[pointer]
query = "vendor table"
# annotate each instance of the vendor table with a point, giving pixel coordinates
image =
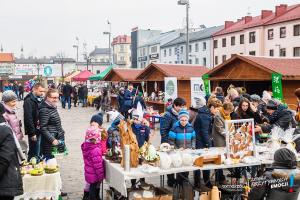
(116, 177)
(39, 187)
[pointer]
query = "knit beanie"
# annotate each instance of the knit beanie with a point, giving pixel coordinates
(199, 102)
(272, 105)
(98, 118)
(8, 96)
(183, 113)
(255, 97)
(284, 159)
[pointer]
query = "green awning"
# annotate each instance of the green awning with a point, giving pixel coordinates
(100, 76)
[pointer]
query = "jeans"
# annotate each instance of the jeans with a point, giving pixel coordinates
(66, 100)
(34, 147)
(83, 101)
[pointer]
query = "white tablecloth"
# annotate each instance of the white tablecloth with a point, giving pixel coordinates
(38, 187)
(116, 177)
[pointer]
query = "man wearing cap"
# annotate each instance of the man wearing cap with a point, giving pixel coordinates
(277, 117)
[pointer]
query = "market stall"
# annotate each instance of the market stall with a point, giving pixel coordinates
(82, 76)
(69, 77)
(154, 77)
(117, 78)
(257, 74)
(100, 76)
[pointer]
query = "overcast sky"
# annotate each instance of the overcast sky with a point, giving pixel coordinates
(47, 27)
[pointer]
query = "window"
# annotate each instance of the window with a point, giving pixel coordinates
(122, 58)
(141, 52)
(170, 52)
(204, 46)
(282, 52)
(190, 48)
(102, 60)
(297, 30)
(224, 42)
(165, 52)
(252, 53)
(242, 39)
(282, 32)
(204, 61)
(216, 60)
(215, 44)
(144, 51)
(154, 49)
(181, 62)
(271, 52)
(270, 34)
(98, 72)
(223, 58)
(252, 37)
(170, 62)
(197, 61)
(296, 51)
(176, 62)
(181, 49)
(122, 48)
(232, 41)
(190, 61)
(196, 47)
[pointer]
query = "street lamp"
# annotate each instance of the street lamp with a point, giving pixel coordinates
(187, 4)
(76, 46)
(109, 35)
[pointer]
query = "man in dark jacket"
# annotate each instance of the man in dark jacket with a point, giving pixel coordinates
(66, 94)
(166, 124)
(31, 119)
(278, 116)
(121, 100)
(21, 92)
(128, 100)
(10, 176)
(203, 128)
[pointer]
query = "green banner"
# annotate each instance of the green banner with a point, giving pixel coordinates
(206, 83)
(277, 86)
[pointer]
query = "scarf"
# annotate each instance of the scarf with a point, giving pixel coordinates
(224, 116)
(174, 112)
(50, 104)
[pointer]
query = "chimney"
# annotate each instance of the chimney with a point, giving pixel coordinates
(280, 10)
(248, 19)
(228, 24)
(266, 13)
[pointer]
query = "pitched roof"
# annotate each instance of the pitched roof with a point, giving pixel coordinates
(194, 36)
(181, 71)
(289, 68)
(292, 13)
(162, 38)
(6, 57)
(82, 76)
(98, 51)
(125, 74)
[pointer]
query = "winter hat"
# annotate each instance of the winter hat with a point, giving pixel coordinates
(255, 97)
(92, 133)
(266, 96)
(199, 102)
(284, 159)
(98, 118)
(115, 115)
(8, 96)
(272, 105)
(183, 113)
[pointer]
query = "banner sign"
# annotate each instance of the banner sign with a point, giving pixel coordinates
(277, 86)
(197, 90)
(170, 88)
(206, 83)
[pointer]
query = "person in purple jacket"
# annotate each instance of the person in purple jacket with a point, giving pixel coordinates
(93, 162)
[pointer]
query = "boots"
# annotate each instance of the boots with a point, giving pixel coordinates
(85, 196)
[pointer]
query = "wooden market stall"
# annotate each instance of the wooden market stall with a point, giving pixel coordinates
(154, 75)
(122, 77)
(255, 74)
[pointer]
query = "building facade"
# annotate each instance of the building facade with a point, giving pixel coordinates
(7, 62)
(149, 51)
(273, 33)
(138, 38)
(121, 46)
(100, 55)
(200, 48)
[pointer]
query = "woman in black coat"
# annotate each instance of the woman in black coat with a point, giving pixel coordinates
(10, 176)
(50, 125)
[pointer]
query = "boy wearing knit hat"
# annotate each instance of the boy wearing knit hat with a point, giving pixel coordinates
(182, 135)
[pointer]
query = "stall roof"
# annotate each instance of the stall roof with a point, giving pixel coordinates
(289, 68)
(71, 75)
(181, 71)
(100, 76)
(122, 74)
(82, 76)
(6, 57)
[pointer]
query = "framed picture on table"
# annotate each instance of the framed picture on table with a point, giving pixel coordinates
(240, 139)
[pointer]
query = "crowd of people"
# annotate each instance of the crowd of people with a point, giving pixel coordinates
(42, 124)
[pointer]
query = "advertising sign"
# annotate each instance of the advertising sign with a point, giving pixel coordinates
(170, 88)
